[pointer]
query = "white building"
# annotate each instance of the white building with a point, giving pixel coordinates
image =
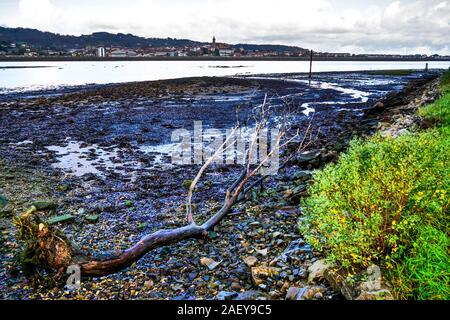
(226, 52)
(101, 52)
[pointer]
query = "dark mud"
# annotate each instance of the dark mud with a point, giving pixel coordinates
(102, 150)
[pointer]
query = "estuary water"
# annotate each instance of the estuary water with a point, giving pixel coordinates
(30, 76)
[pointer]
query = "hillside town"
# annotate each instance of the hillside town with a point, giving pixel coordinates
(212, 49)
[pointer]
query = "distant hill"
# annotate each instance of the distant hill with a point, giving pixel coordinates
(42, 39)
(269, 47)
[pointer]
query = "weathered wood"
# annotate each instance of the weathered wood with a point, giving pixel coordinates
(99, 268)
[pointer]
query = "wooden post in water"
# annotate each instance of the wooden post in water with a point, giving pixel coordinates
(310, 66)
(426, 67)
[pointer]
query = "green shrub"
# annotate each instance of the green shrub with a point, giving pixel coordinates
(386, 202)
(368, 207)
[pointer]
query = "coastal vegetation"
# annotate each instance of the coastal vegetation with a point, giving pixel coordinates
(386, 202)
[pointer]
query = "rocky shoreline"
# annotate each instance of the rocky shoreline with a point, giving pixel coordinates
(256, 253)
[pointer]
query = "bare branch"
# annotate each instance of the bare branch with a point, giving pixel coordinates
(220, 150)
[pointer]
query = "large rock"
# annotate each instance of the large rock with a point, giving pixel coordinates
(317, 271)
(368, 285)
(374, 287)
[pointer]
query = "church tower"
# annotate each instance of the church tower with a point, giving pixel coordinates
(214, 41)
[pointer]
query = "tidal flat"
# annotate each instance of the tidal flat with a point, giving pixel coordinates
(103, 151)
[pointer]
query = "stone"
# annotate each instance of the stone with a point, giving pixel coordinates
(236, 286)
(373, 287)
(310, 292)
(210, 263)
(93, 218)
(225, 295)
(262, 252)
(285, 287)
(275, 294)
(383, 294)
(317, 271)
(241, 273)
(307, 157)
(44, 205)
(260, 274)
(302, 274)
(149, 284)
(250, 261)
(276, 235)
(250, 295)
(61, 219)
(303, 175)
(306, 293)
(262, 286)
(288, 211)
(318, 296)
(294, 250)
(192, 276)
(292, 293)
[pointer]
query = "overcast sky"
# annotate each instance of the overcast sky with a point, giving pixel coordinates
(405, 26)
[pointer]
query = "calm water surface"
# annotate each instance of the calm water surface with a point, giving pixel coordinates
(80, 72)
